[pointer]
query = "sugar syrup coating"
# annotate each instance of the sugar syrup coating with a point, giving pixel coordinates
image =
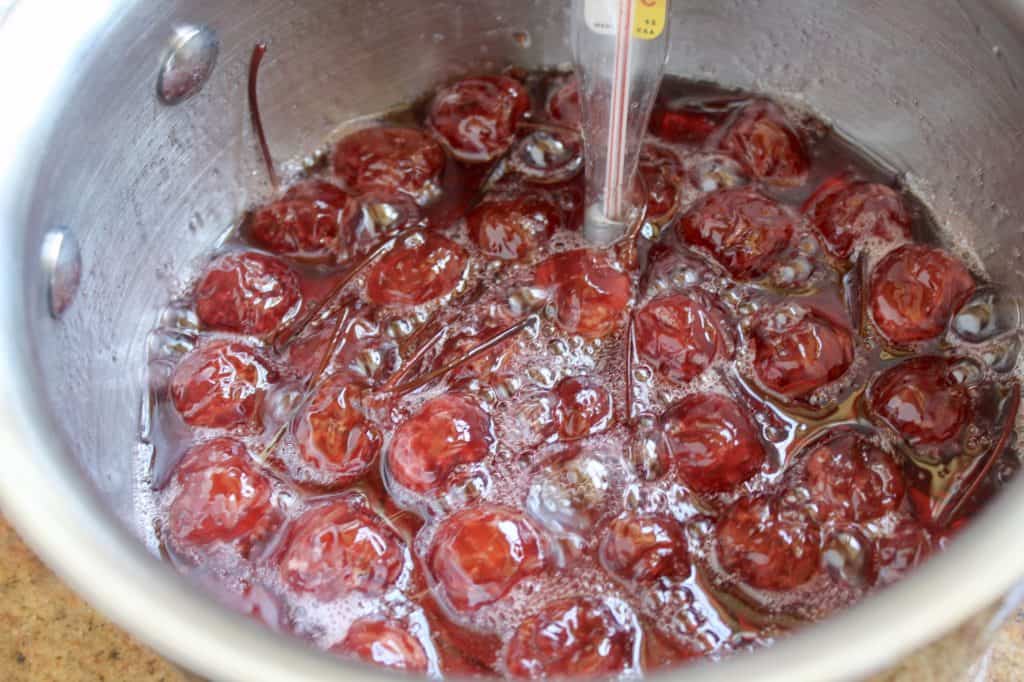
(247, 293)
(584, 407)
(390, 160)
(476, 117)
(898, 551)
(513, 228)
(589, 292)
(662, 173)
(921, 400)
(384, 642)
(420, 268)
(314, 220)
(681, 335)
(641, 548)
(762, 138)
(846, 211)
(221, 384)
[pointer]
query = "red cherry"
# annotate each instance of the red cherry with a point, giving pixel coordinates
(313, 219)
(221, 384)
(798, 350)
(767, 545)
(419, 269)
(476, 117)
(222, 498)
(547, 156)
(385, 643)
(682, 126)
(921, 400)
(680, 336)
(741, 228)
(247, 293)
(588, 292)
(580, 637)
(712, 442)
(564, 103)
(446, 432)
(898, 551)
(512, 229)
(480, 553)
(851, 479)
(341, 546)
(847, 211)
(662, 171)
(390, 160)
(642, 548)
(762, 138)
(584, 407)
(915, 290)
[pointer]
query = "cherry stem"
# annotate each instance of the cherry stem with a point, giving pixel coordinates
(630, 351)
(258, 51)
(411, 363)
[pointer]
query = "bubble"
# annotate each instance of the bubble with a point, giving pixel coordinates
(987, 315)
(568, 498)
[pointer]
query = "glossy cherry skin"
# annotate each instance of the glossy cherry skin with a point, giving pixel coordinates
(741, 228)
(915, 290)
(589, 294)
(578, 637)
(446, 432)
(419, 269)
(679, 336)
(480, 553)
(799, 350)
(898, 551)
(685, 126)
(761, 137)
(921, 400)
(338, 547)
(847, 211)
(584, 407)
(512, 229)
(662, 172)
(385, 643)
(313, 219)
(711, 442)
(564, 103)
(221, 384)
(476, 117)
(641, 548)
(767, 545)
(247, 293)
(390, 160)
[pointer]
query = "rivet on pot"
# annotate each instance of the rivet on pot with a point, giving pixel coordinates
(188, 63)
(62, 267)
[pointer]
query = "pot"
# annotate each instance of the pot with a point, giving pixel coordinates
(112, 186)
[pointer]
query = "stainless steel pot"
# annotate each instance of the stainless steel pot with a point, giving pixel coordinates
(90, 155)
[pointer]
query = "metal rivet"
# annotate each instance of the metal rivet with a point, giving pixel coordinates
(189, 61)
(62, 267)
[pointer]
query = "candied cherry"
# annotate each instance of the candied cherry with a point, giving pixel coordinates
(580, 637)
(662, 172)
(390, 160)
(641, 548)
(313, 219)
(584, 407)
(847, 211)
(512, 229)
(476, 117)
(420, 268)
(797, 350)
(679, 336)
(712, 442)
(480, 553)
(921, 399)
(383, 642)
(899, 550)
(915, 290)
(766, 544)
(589, 294)
(446, 432)
(564, 103)
(682, 124)
(851, 479)
(221, 384)
(247, 293)
(339, 547)
(762, 138)
(741, 228)
(222, 498)
(547, 156)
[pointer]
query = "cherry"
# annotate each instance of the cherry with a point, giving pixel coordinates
(383, 642)
(762, 138)
(662, 171)
(847, 211)
(921, 400)
(390, 160)
(421, 268)
(578, 637)
(741, 228)
(446, 432)
(480, 553)
(335, 439)
(341, 546)
(798, 350)
(221, 384)
(915, 290)
(512, 229)
(564, 103)
(247, 293)
(711, 441)
(313, 220)
(766, 544)
(222, 498)
(641, 548)
(851, 479)
(589, 293)
(584, 407)
(679, 336)
(476, 117)
(896, 552)
(682, 125)
(547, 156)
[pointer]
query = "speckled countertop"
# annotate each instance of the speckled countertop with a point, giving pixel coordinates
(48, 633)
